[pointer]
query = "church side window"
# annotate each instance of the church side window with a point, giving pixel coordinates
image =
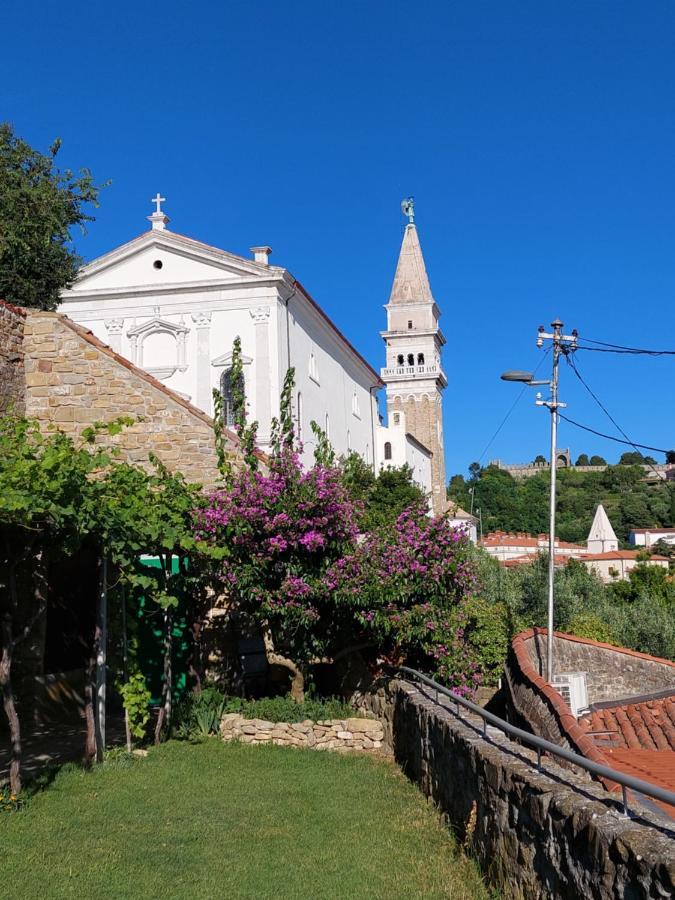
(327, 428)
(313, 368)
(387, 450)
(356, 409)
(227, 390)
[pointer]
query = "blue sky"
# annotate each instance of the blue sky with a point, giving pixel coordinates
(538, 139)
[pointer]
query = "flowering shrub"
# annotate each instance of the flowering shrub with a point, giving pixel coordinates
(292, 566)
(282, 531)
(409, 588)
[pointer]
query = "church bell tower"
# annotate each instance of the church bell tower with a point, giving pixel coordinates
(413, 374)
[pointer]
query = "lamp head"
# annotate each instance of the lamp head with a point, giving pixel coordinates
(517, 375)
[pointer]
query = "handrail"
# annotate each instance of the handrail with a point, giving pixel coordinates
(626, 781)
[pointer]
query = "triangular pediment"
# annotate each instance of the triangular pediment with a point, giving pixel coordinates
(163, 258)
(225, 360)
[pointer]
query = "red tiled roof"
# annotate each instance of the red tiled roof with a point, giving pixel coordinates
(638, 729)
(647, 725)
(622, 554)
(523, 539)
(655, 766)
(653, 530)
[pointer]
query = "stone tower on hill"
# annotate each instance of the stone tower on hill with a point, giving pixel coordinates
(413, 374)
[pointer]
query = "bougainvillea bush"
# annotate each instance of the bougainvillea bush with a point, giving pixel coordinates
(283, 531)
(408, 588)
(295, 566)
(298, 569)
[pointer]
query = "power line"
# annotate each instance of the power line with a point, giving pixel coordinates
(603, 347)
(573, 365)
(511, 408)
(610, 437)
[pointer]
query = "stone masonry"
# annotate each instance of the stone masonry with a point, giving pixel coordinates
(329, 734)
(72, 379)
(536, 835)
(11, 359)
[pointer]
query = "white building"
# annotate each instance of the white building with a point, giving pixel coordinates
(647, 537)
(397, 447)
(174, 306)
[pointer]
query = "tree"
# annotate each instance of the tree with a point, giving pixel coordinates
(39, 205)
(583, 460)
(474, 471)
(598, 461)
(383, 497)
(633, 458)
(539, 460)
(670, 457)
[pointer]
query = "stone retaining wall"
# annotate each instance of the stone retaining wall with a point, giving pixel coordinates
(612, 673)
(537, 835)
(328, 734)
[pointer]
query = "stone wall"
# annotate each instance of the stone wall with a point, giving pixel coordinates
(535, 835)
(12, 382)
(329, 734)
(612, 673)
(73, 380)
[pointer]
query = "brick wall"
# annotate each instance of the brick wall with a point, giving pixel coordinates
(74, 380)
(11, 359)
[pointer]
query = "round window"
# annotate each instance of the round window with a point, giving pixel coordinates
(158, 264)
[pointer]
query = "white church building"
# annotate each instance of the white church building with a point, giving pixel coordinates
(174, 305)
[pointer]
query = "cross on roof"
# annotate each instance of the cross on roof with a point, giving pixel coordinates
(158, 200)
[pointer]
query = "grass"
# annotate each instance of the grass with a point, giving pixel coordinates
(211, 820)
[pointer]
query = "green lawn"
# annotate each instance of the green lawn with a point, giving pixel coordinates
(214, 820)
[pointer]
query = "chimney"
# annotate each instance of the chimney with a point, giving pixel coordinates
(261, 254)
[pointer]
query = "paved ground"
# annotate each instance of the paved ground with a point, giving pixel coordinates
(53, 744)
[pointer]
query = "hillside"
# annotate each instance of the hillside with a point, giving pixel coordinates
(522, 504)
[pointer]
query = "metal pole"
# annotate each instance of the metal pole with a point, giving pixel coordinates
(101, 659)
(557, 328)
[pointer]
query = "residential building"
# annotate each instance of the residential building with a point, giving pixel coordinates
(647, 537)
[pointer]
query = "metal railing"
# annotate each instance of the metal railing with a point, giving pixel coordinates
(627, 782)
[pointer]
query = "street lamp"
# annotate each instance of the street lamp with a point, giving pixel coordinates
(561, 344)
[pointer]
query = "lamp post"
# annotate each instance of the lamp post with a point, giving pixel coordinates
(561, 344)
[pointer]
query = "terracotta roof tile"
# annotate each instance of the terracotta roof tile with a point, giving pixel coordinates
(647, 725)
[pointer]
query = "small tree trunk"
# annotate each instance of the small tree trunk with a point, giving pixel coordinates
(89, 717)
(9, 705)
(276, 659)
(164, 717)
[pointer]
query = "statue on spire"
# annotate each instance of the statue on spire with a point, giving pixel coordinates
(408, 209)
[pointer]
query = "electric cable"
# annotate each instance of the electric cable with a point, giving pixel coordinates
(604, 347)
(571, 362)
(511, 408)
(610, 437)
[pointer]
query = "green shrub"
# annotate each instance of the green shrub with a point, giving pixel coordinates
(200, 713)
(593, 626)
(136, 698)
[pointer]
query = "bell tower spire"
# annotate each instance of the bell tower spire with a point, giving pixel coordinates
(413, 374)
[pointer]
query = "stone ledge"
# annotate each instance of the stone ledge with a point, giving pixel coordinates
(327, 734)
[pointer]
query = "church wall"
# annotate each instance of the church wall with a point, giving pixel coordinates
(12, 380)
(339, 379)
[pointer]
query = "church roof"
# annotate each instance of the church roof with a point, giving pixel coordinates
(601, 529)
(411, 283)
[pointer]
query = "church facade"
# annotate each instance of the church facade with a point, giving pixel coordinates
(173, 306)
